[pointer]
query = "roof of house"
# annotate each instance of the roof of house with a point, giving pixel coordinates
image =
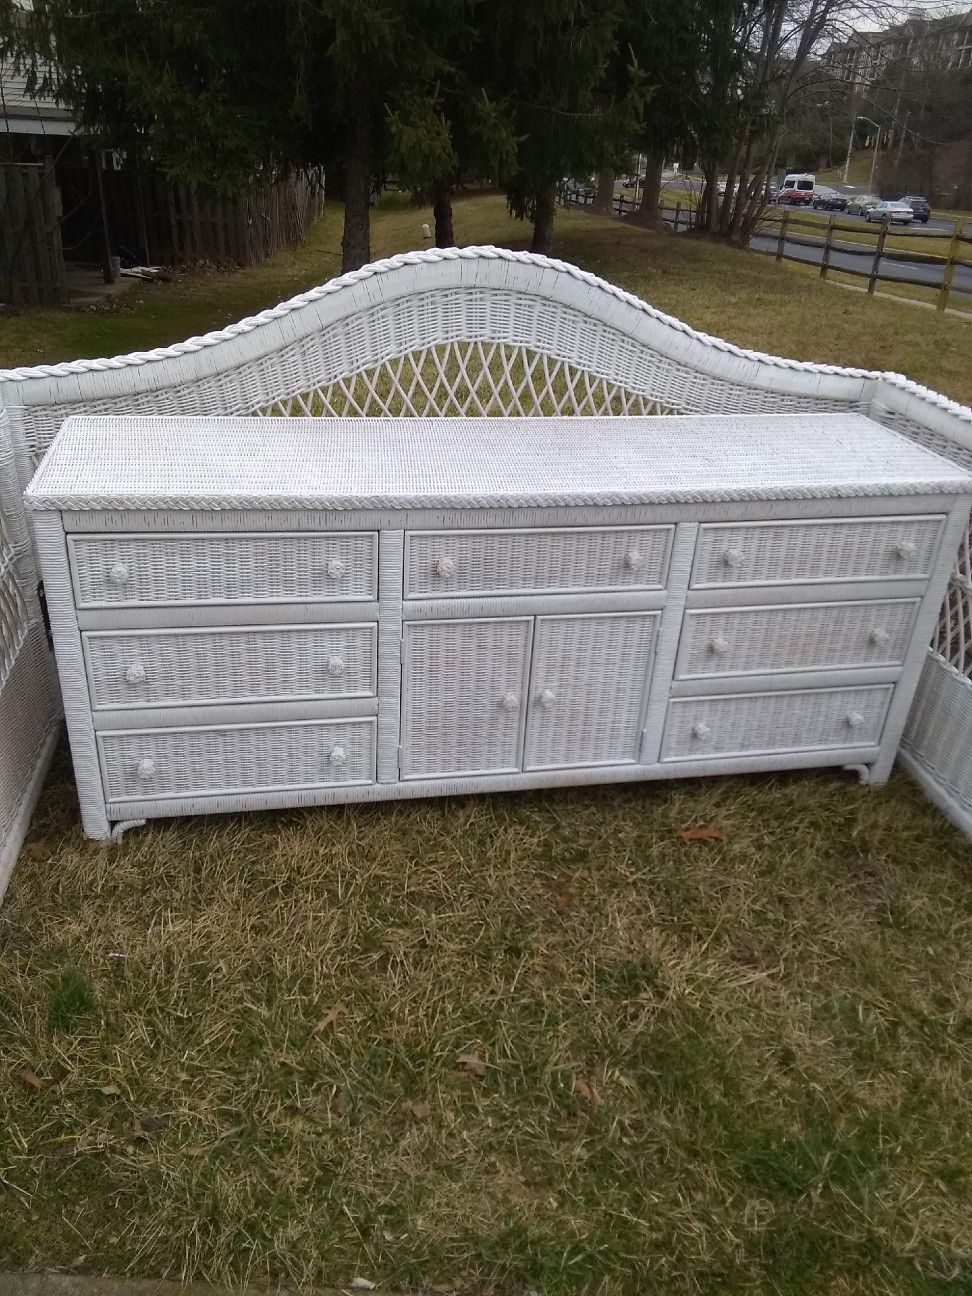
(24, 114)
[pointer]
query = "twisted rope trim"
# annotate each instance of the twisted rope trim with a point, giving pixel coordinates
(39, 503)
(432, 256)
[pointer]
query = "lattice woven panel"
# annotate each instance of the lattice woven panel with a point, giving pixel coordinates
(14, 614)
(468, 379)
(953, 636)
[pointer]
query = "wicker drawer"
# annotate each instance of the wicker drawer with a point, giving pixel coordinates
(224, 567)
(788, 553)
(139, 765)
(749, 724)
(811, 636)
(451, 564)
(244, 664)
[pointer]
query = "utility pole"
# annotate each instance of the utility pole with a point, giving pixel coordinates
(877, 145)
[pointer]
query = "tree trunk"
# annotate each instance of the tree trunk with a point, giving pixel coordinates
(648, 213)
(604, 202)
(543, 220)
(356, 240)
(445, 235)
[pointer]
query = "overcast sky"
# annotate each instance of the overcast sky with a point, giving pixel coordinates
(884, 15)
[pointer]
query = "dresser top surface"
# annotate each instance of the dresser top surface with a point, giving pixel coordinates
(338, 463)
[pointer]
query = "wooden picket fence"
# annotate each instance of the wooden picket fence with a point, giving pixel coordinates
(159, 223)
(31, 256)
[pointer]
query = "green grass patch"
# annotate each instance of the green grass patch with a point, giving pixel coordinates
(69, 999)
(239, 1047)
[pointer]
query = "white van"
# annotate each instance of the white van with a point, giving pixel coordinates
(797, 189)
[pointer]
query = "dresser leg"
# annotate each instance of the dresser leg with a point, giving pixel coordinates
(119, 829)
(863, 773)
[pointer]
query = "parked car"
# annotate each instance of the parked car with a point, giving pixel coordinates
(897, 213)
(797, 190)
(827, 199)
(861, 204)
(920, 208)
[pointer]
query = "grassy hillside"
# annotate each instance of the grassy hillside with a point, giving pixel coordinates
(722, 290)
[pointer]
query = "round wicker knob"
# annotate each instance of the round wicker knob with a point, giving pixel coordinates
(335, 666)
(445, 566)
(905, 549)
(338, 756)
(336, 567)
(135, 673)
(879, 637)
(547, 698)
(119, 573)
(633, 560)
(732, 557)
(719, 646)
(146, 769)
(853, 719)
(700, 729)
(510, 702)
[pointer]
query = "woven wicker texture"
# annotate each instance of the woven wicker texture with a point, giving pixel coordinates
(438, 332)
(451, 564)
(172, 668)
(588, 679)
(115, 571)
(801, 552)
(464, 695)
(241, 758)
(774, 722)
(435, 463)
(757, 640)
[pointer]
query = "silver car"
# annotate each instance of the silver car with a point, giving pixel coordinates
(861, 204)
(897, 213)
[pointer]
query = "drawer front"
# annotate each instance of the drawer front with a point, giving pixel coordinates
(787, 553)
(766, 640)
(758, 723)
(452, 564)
(151, 763)
(249, 664)
(147, 570)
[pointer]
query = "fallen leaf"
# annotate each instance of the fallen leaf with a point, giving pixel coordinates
(363, 1284)
(419, 1111)
(582, 1089)
(340, 1100)
(562, 901)
(38, 850)
(707, 832)
(33, 1081)
(330, 1019)
(109, 1090)
(146, 1125)
(472, 1065)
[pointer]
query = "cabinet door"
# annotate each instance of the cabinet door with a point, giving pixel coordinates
(587, 688)
(463, 696)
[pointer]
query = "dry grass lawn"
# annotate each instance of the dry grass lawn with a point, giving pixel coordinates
(510, 1043)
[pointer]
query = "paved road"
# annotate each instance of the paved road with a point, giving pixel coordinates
(860, 257)
(848, 255)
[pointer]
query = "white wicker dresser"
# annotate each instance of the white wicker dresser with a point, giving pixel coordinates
(273, 612)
